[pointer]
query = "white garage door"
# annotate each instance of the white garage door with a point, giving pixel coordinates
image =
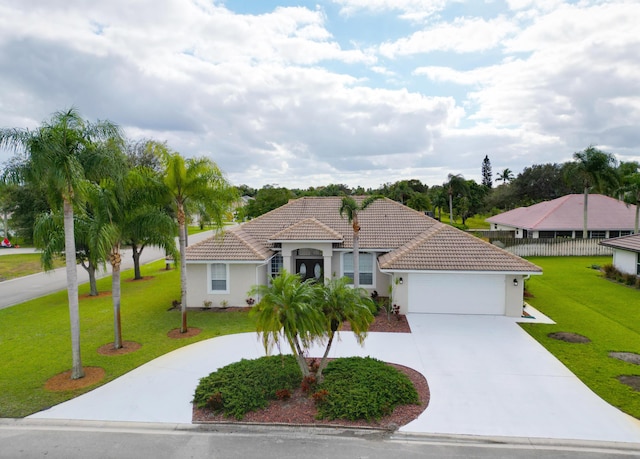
(457, 293)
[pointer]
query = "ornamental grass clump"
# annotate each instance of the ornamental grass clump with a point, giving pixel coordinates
(362, 388)
(248, 385)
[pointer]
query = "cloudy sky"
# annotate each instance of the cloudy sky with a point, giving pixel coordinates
(360, 92)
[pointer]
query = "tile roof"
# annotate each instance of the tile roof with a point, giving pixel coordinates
(416, 242)
(445, 248)
(233, 244)
(631, 242)
(566, 213)
(308, 229)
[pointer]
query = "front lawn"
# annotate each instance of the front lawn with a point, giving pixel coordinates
(35, 339)
(22, 264)
(582, 301)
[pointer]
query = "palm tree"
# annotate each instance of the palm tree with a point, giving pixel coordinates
(339, 303)
(596, 170)
(456, 185)
(351, 208)
(630, 190)
(288, 308)
(55, 151)
(194, 180)
(505, 176)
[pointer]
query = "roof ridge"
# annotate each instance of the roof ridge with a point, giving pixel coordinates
(561, 200)
(249, 241)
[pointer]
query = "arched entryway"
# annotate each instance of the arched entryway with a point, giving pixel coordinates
(309, 263)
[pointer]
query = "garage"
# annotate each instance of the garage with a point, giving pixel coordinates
(459, 293)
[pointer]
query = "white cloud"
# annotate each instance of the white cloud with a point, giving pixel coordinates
(463, 35)
(414, 10)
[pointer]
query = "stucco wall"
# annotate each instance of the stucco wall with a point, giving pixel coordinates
(513, 295)
(625, 261)
(241, 278)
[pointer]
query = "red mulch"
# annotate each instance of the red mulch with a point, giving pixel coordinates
(176, 334)
(127, 348)
(63, 382)
(394, 324)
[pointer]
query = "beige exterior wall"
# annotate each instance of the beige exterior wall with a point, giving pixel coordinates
(513, 295)
(241, 278)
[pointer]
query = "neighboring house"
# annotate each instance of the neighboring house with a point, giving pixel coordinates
(432, 267)
(626, 253)
(564, 217)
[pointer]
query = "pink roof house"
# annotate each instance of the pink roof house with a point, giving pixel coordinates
(563, 217)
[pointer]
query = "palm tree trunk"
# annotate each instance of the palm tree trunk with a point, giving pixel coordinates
(586, 198)
(302, 362)
(115, 294)
(77, 371)
(323, 361)
(451, 208)
(635, 229)
(356, 259)
(93, 284)
(183, 268)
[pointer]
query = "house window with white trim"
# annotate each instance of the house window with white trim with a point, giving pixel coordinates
(218, 275)
(638, 264)
(366, 267)
(276, 265)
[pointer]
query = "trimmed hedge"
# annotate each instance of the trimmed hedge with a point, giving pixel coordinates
(247, 385)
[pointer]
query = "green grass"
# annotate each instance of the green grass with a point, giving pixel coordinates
(35, 341)
(18, 265)
(475, 222)
(581, 301)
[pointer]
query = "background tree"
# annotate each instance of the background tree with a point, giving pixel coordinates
(287, 308)
(438, 196)
(267, 198)
(505, 176)
(456, 187)
(486, 172)
(350, 208)
(630, 191)
(596, 171)
(194, 180)
(54, 153)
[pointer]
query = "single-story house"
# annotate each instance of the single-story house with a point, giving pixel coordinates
(626, 253)
(564, 217)
(432, 267)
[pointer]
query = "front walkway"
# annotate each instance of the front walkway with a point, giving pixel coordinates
(486, 375)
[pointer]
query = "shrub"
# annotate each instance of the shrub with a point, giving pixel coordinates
(283, 394)
(610, 271)
(362, 388)
(629, 279)
(248, 385)
(308, 383)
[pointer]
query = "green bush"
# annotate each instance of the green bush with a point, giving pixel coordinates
(362, 388)
(610, 271)
(248, 385)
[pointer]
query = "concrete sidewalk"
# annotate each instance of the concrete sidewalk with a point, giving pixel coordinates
(486, 375)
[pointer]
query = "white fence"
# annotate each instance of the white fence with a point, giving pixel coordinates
(552, 247)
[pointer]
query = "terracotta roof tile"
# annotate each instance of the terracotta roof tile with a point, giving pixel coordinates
(233, 244)
(415, 241)
(566, 213)
(308, 229)
(448, 249)
(631, 242)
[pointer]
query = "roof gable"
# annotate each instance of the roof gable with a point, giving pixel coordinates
(567, 213)
(446, 248)
(234, 244)
(308, 229)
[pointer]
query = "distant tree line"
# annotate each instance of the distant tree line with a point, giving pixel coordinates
(461, 198)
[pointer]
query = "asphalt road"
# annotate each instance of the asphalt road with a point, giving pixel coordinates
(75, 440)
(15, 291)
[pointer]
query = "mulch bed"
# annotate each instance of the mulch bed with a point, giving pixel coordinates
(632, 381)
(569, 337)
(127, 348)
(63, 382)
(99, 295)
(629, 357)
(300, 410)
(144, 278)
(395, 324)
(176, 334)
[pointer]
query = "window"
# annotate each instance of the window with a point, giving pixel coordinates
(638, 264)
(546, 234)
(276, 265)
(366, 267)
(613, 233)
(218, 275)
(597, 234)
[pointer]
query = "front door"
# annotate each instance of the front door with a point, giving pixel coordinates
(309, 268)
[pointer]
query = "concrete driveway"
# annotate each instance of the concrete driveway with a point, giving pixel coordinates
(486, 375)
